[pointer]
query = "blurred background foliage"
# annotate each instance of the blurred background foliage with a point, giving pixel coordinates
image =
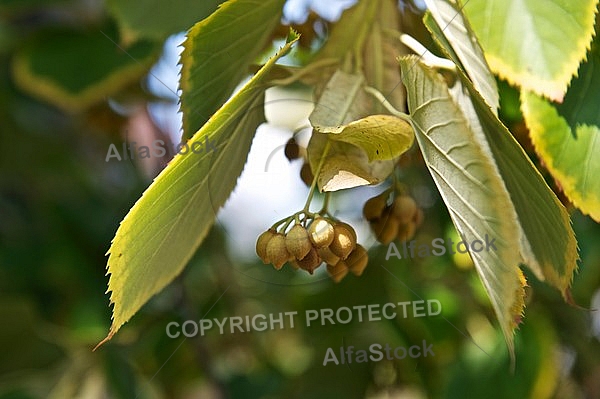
(73, 80)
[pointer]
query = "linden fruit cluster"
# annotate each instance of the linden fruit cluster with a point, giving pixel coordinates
(310, 243)
(399, 220)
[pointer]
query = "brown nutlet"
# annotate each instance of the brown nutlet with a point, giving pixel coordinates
(385, 228)
(277, 253)
(292, 149)
(297, 242)
(328, 256)
(357, 261)
(310, 262)
(261, 244)
(404, 208)
(373, 208)
(344, 240)
(306, 174)
(321, 232)
(338, 271)
(406, 231)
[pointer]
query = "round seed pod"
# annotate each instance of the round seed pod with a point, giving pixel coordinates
(320, 232)
(261, 245)
(404, 208)
(338, 271)
(406, 231)
(292, 149)
(374, 207)
(297, 242)
(306, 174)
(310, 262)
(277, 253)
(344, 240)
(357, 260)
(418, 217)
(328, 256)
(350, 229)
(385, 228)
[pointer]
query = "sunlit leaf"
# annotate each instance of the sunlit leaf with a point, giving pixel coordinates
(536, 44)
(470, 185)
(383, 137)
(167, 224)
(573, 157)
(456, 38)
(345, 165)
(217, 54)
(548, 221)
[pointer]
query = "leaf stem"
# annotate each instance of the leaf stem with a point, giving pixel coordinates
(384, 101)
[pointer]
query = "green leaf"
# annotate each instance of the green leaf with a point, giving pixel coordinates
(581, 105)
(548, 245)
(167, 224)
(343, 100)
(547, 222)
(452, 32)
(565, 136)
(535, 44)
(217, 54)
(91, 68)
(572, 159)
(383, 137)
(157, 19)
(345, 165)
(364, 31)
(470, 185)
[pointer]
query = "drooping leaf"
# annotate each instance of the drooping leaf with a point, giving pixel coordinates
(548, 219)
(548, 244)
(470, 185)
(74, 70)
(217, 54)
(157, 19)
(354, 23)
(573, 157)
(455, 36)
(363, 31)
(345, 165)
(167, 224)
(380, 56)
(343, 100)
(536, 44)
(382, 137)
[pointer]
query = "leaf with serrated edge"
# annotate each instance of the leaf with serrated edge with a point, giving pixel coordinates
(535, 44)
(217, 52)
(548, 218)
(383, 137)
(166, 225)
(462, 46)
(157, 19)
(470, 186)
(548, 244)
(573, 161)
